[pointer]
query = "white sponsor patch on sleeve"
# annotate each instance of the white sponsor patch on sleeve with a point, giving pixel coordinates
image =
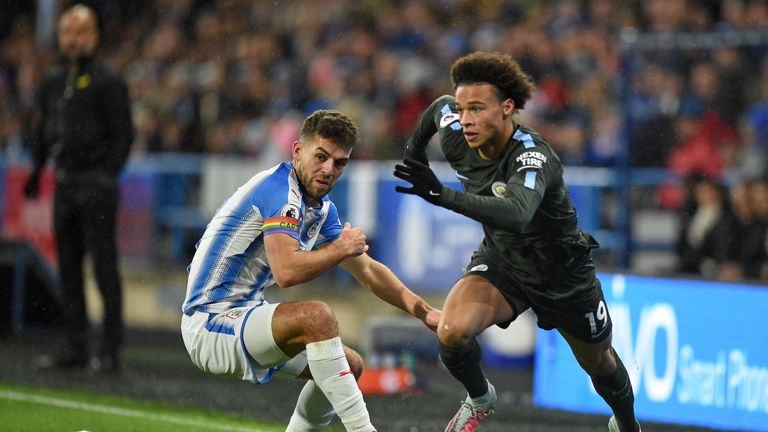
(448, 118)
(530, 160)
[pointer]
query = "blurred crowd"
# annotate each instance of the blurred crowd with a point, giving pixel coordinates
(723, 230)
(237, 77)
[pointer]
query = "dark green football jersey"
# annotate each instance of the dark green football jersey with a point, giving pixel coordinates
(520, 198)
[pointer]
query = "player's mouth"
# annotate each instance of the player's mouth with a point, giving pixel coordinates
(470, 136)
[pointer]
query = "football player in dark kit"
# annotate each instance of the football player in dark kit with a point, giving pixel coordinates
(84, 123)
(533, 255)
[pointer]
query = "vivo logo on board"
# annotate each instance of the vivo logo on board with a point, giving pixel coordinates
(663, 364)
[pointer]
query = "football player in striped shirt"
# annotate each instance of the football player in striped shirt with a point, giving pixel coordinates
(280, 229)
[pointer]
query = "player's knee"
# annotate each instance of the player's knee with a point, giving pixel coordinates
(319, 320)
(452, 335)
(601, 363)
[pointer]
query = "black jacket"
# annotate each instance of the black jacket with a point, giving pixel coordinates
(84, 121)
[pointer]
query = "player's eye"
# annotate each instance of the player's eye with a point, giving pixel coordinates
(340, 164)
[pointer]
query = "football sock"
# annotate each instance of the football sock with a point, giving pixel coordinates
(616, 390)
(464, 364)
(313, 412)
(333, 375)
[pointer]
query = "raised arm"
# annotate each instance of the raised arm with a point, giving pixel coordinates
(379, 279)
(416, 146)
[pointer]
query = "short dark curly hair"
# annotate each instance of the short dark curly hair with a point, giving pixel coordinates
(499, 70)
(331, 125)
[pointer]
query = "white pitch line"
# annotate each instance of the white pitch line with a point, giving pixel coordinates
(106, 409)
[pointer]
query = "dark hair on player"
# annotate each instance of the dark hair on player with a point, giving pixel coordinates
(331, 125)
(499, 70)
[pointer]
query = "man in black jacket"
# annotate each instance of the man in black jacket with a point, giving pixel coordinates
(84, 124)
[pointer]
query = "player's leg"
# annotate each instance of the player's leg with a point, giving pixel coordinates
(313, 411)
(312, 326)
(472, 305)
(609, 377)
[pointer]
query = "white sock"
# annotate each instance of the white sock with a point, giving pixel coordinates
(313, 412)
(486, 401)
(332, 374)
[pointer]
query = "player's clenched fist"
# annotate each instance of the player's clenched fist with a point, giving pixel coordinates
(352, 241)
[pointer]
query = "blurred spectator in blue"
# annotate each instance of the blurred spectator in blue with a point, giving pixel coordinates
(655, 100)
(748, 160)
(757, 114)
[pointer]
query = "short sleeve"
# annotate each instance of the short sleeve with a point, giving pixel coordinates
(279, 206)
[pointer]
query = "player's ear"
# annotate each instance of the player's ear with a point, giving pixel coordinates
(508, 107)
(296, 150)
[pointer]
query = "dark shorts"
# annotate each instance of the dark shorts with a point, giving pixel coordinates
(564, 292)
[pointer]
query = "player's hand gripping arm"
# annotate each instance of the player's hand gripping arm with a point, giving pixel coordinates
(379, 279)
(291, 266)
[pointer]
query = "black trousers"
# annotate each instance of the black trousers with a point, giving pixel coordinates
(85, 217)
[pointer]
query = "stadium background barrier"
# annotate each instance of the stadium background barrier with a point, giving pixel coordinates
(168, 198)
(695, 350)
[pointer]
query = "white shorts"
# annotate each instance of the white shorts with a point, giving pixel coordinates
(217, 343)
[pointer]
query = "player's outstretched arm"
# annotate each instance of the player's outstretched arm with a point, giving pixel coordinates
(382, 282)
(512, 212)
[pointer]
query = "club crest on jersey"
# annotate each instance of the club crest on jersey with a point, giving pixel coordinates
(290, 210)
(83, 81)
(313, 230)
(499, 188)
(530, 160)
(235, 313)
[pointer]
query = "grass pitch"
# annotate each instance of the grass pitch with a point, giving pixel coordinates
(24, 409)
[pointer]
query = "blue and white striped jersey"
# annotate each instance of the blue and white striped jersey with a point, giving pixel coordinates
(230, 267)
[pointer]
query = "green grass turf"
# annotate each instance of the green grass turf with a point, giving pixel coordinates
(24, 409)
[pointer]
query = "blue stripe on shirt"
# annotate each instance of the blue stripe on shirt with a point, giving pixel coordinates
(525, 138)
(530, 179)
